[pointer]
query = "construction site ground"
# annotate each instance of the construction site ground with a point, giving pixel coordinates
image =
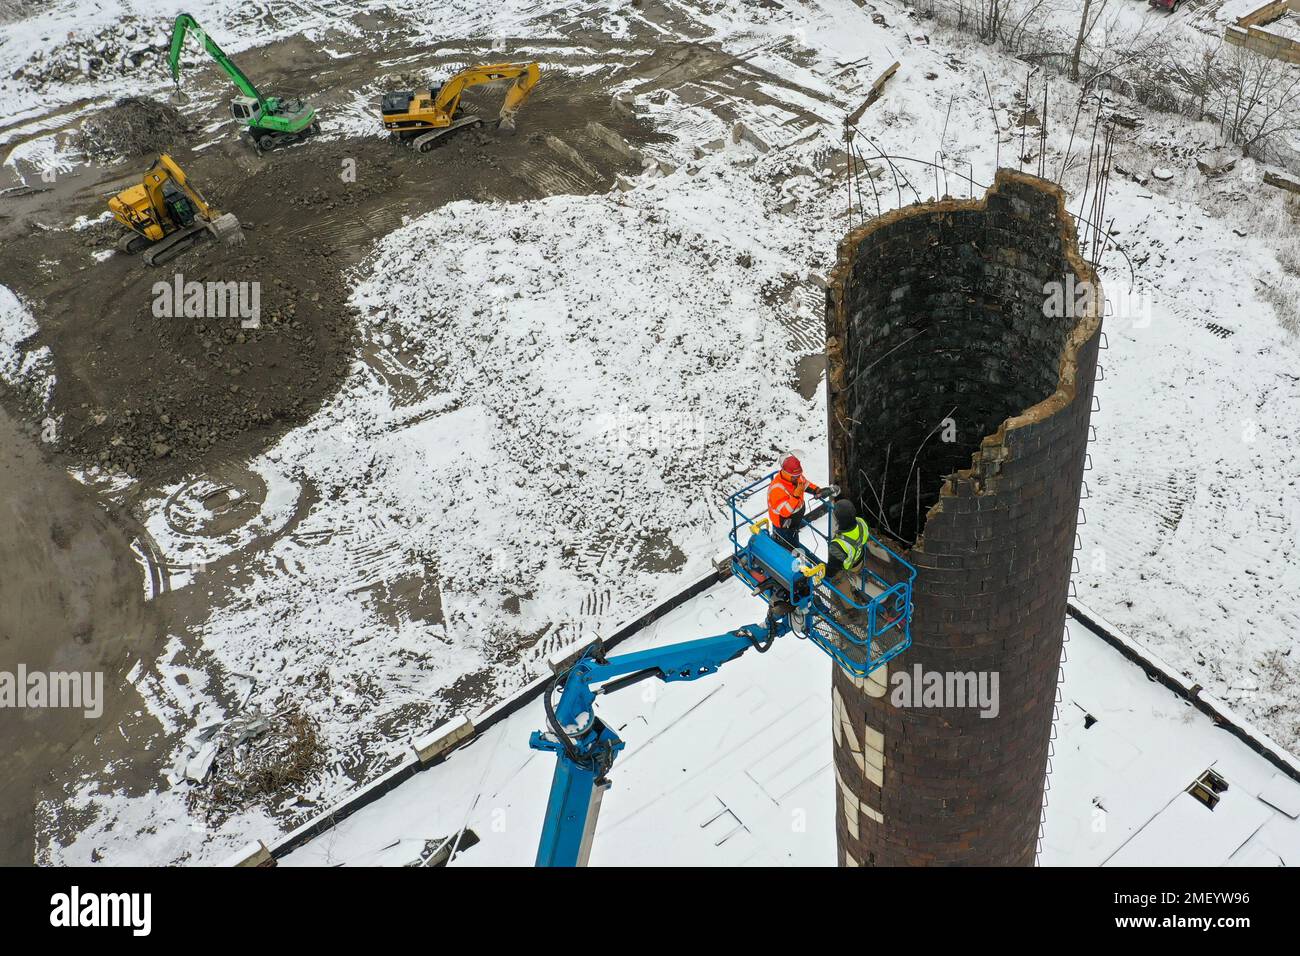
(143, 405)
(161, 400)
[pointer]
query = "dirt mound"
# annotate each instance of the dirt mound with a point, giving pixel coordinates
(133, 126)
(147, 389)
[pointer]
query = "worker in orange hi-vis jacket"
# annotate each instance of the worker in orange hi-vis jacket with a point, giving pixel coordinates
(785, 501)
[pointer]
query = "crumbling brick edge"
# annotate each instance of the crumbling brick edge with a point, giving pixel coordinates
(836, 320)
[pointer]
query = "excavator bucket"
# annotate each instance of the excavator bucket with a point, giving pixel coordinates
(516, 96)
(227, 229)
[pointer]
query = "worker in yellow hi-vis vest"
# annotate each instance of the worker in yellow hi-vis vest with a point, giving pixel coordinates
(848, 548)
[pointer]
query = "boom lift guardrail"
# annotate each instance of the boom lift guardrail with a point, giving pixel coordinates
(800, 600)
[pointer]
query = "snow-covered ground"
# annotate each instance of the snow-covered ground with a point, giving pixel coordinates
(735, 770)
(27, 369)
(550, 407)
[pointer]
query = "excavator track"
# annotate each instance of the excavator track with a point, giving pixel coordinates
(173, 245)
(263, 141)
(132, 243)
(427, 141)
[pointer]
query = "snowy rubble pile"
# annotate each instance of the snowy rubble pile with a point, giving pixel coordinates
(623, 416)
(253, 757)
(132, 126)
(124, 49)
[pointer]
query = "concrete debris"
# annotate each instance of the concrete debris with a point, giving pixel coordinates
(1281, 182)
(200, 765)
(254, 758)
(742, 133)
(874, 93)
(124, 49)
(563, 149)
(614, 141)
(1213, 170)
(622, 103)
(211, 739)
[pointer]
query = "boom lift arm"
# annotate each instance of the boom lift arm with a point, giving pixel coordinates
(586, 746)
(860, 631)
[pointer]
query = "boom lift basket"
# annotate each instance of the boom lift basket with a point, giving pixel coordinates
(861, 630)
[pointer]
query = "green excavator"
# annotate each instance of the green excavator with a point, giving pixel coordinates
(269, 121)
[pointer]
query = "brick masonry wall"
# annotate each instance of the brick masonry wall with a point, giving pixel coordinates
(944, 785)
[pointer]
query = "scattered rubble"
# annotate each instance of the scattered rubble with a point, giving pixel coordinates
(253, 758)
(1214, 167)
(1281, 182)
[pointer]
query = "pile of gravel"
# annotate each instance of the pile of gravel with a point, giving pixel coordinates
(133, 126)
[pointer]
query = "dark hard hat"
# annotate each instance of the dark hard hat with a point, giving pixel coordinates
(845, 513)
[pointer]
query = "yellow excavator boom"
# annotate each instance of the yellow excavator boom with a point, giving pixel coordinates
(518, 93)
(525, 76)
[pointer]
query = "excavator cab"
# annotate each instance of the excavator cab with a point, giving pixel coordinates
(398, 101)
(179, 206)
(245, 108)
(861, 620)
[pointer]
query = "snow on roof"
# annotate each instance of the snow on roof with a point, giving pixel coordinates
(735, 769)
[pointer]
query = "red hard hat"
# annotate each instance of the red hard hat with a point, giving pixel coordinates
(791, 466)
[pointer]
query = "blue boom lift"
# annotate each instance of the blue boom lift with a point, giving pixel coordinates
(860, 630)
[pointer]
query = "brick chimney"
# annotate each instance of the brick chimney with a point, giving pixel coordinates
(961, 348)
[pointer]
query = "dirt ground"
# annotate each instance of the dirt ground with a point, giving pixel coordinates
(162, 398)
(70, 600)
(152, 396)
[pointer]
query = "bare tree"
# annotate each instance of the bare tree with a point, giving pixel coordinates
(1022, 19)
(1086, 26)
(1261, 100)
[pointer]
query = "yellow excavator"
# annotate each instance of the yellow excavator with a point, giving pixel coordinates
(166, 215)
(421, 118)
